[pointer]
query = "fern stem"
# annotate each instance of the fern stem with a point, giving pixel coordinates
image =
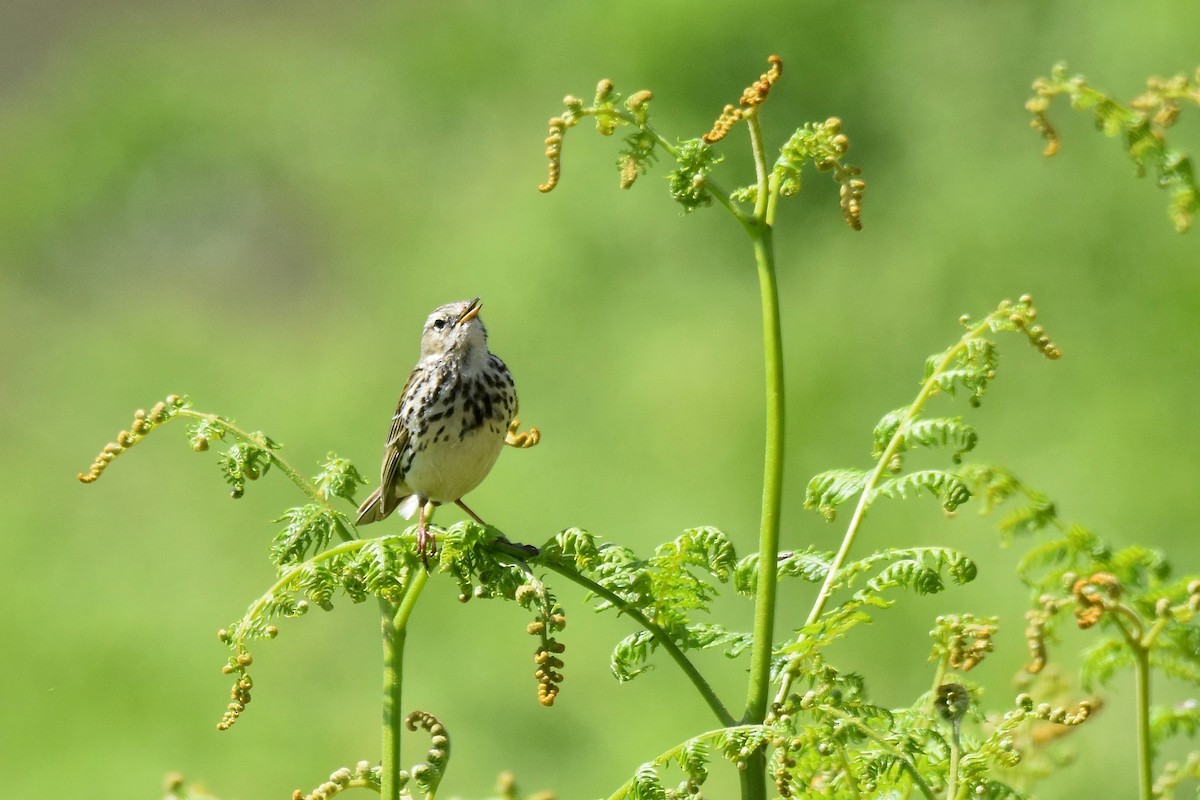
(760, 165)
(851, 778)
(928, 389)
(1141, 672)
(1131, 629)
(753, 777)
(303, 483)
(768, 541)
(955, 755)
(939, 674)
(660, 637)
(394, 622)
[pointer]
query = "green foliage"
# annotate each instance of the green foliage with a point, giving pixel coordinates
(970, 364)
(631, 656)
(1142, 123)
(946, 432)
(922, 574)
(338, 478)
(821, 143)
(309, 529)
(822, 732)
(950, 490)
(1145, 618)
(689, 180)
(664, 590)
(828, 490)
(691, 758)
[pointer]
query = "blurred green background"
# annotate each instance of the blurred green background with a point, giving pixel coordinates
(257, 204)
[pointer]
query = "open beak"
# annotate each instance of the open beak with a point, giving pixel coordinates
(471, 312)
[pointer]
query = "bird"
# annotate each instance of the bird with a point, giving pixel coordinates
(452, 420)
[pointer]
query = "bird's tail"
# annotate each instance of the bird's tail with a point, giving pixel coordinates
(375, 508)
(372, 509)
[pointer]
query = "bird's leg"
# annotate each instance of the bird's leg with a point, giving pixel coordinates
(426, 541)
(529, 549)
(474, 516)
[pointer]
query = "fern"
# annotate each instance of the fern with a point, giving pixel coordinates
(688, 181)
(950, 490)
(923, 575)
(1143, 125)
(1181, 720)
(309, 529)
(831, 489)
(338, 478)
(951, 433)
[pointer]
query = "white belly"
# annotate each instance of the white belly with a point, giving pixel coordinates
(446, 470)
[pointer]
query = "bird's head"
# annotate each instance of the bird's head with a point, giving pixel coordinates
(455, 329)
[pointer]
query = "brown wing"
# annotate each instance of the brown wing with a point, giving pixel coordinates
(391, 481)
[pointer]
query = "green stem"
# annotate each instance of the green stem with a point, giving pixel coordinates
(955, 755)
(394, 622)
(1141, 671)
(660, 636)
(753, 777)
(851, 778)
(939, 675)
(768, 540)
(1130, 625)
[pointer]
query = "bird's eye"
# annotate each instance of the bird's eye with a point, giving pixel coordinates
(439, 323)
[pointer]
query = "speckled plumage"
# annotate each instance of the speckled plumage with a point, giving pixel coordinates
(450, 423)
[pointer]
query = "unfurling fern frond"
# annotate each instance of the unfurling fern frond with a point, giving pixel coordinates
(950, 432)
(338, 478)
(631, 656)
(309, 529)
(947, 487)
(246, 461)
(687, 181)
(923, 572)
(831, 489)
(971, 365)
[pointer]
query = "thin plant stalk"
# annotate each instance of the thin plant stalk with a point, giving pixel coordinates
(394, 623)
(1141, 673)
(955, 755)
(753, 777)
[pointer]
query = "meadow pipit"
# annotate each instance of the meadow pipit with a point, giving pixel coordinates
(450, 424)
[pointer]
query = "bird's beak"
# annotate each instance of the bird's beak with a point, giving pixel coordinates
(471, 312)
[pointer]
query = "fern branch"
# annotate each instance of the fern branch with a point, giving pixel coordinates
(719, 194)
(884, 744)
(680, 752)
(972, 349)
(929, 388)
(303, 483)
(660, 635)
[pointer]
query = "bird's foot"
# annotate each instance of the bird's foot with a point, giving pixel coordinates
(426, 544)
